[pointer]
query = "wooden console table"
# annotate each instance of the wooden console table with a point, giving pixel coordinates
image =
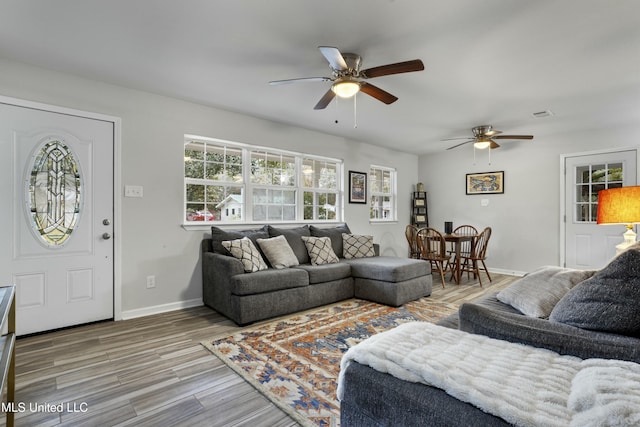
(8, 347)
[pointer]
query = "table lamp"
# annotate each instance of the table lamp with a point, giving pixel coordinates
(620, 206)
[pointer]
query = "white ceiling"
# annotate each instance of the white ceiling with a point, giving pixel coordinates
(486, 61)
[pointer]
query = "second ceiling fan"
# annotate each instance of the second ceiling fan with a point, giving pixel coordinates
(484, 137)
(347, 77)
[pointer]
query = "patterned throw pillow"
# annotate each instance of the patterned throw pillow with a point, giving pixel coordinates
(355, 246)
(244, 250)
(320, 250)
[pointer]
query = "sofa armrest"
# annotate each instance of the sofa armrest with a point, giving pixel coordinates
(217, 270)
(558, 337)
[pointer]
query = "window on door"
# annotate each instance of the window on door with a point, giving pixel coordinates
(589, 180)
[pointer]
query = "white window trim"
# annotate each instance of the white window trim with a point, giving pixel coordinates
(248, 186)
(394, 196)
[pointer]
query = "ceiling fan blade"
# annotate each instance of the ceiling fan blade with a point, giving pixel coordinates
(377, 93)
(513, 137)
(493, 145)
(335, 58)
(453, 139)
(492, 133)
(397, 68)
(325, 100)
(462, 143)
(301, 80)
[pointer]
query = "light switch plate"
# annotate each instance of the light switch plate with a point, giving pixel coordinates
(133, 191)
(484, 202)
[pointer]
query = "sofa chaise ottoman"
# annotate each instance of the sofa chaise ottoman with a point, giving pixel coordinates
(300, 283)
(584, 314)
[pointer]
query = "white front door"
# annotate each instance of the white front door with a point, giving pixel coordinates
(588, 245)
(57, 202)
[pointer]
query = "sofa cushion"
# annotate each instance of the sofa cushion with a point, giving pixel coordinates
(278, 252)
(326, 272)
(609, 301)
(538, 292)
(319, 249)
(218, 235)
(334, 233)
(355, 246)
(268, 281)
(388, 269)
(293, 236)
(244, 250)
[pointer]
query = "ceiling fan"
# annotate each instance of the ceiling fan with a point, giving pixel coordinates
(484, 137)
(347, 77)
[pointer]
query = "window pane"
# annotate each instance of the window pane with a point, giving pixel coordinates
(54, 192)
(215, 186)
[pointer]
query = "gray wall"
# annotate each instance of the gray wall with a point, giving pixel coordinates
(152, 239)
(525, 220)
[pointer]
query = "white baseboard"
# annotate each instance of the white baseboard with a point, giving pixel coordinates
(507, 272)
(158, 309)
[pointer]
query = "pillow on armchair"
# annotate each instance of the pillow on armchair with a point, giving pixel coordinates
(609, 301)
(536, 293)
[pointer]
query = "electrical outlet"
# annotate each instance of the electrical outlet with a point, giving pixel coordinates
(151, 282)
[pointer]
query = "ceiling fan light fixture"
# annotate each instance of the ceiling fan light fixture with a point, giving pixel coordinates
(482, 143)
(345, 88)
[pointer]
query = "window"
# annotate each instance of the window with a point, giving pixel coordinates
(231, 182)
(589, 180)
(320, 189)
(382, 193)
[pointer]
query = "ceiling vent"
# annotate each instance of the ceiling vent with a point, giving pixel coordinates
(541, 114)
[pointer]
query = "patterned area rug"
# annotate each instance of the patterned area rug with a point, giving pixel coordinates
(295, 361)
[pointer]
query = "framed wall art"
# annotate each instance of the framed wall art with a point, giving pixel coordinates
(357, 187)
(485, 183)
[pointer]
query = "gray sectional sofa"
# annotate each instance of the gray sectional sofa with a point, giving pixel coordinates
(597, 317)
(247, 297)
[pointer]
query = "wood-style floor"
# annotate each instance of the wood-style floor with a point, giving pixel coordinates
(152, 371)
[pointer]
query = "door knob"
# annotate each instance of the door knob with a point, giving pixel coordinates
(106, 236)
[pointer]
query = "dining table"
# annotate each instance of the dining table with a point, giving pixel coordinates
(457, 240)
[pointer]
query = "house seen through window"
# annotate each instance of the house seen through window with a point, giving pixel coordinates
(229, 182)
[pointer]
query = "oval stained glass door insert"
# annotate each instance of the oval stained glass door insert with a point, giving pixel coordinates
(55, 190)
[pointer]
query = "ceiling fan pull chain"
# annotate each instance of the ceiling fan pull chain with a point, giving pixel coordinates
(474, 154)
(490, 155)
(355, 112)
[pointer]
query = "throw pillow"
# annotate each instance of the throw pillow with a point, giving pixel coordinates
(278, 252)
(538, 292)
(334, 233)
(244, 250)
(320, 251)
(609, 301)
(293, 237)
(218, 235)
(355, 246)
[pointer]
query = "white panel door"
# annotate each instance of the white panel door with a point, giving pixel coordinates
(57, 193)
(588, 245)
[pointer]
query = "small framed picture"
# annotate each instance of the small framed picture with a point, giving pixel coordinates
(419, 202)
(421, 218)
(357, 187)
(485, 183)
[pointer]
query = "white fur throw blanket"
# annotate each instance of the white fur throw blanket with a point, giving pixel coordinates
(523, 385)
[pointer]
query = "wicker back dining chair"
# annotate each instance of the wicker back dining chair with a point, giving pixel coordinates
(471, 262)
(411, 233)
(433, 248)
